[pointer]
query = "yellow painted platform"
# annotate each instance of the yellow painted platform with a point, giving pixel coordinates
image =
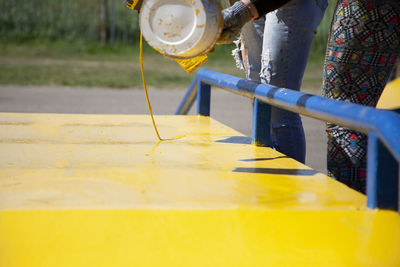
(98, 190)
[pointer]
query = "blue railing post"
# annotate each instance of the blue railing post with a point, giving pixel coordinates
(383, 154)
(261, 128)
(382, 176)
(203, 98)
(188, 99)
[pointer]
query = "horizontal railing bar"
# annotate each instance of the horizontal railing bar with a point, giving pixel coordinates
(386, 124)
(227, 82)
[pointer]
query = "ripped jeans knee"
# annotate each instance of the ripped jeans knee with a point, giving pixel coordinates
(249, 49)
(267, 70)
(237, 54)
(243, 62)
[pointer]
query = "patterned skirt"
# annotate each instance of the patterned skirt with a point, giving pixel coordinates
(363, 48)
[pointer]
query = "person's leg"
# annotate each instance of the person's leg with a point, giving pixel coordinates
(277, 54)
(362, 50)
(288, 35)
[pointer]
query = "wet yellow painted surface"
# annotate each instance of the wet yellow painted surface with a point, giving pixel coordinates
(99, 190)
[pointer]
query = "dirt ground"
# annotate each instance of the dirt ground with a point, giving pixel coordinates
(232, 110)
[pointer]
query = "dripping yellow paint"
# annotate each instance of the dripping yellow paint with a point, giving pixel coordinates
(145, 88)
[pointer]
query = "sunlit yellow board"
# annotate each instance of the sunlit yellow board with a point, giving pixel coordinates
(390, 98)
(97, 190)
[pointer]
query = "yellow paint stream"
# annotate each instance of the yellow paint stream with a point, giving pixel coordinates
(148, 99)
(145, 88)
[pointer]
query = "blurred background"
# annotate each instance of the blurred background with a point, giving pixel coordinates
(82, 56)
(95, 43)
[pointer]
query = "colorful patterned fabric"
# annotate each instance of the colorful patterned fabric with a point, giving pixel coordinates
(363, 47)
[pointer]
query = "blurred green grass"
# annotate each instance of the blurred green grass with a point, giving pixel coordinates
(26, 64)
(104, 66)
(44, 42)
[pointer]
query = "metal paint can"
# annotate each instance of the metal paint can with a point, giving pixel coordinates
(181, 29)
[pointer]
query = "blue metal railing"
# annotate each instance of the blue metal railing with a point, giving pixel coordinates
(382, 126)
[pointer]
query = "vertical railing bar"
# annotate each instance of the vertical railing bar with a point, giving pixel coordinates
(188, 99)
(203, 98)
(372, 171)
(261, 125)
(382, 176)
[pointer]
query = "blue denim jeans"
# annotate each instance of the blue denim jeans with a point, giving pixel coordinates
(274, 50)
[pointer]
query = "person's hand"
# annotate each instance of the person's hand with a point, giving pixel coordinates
(134, 4)
(235, 17)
